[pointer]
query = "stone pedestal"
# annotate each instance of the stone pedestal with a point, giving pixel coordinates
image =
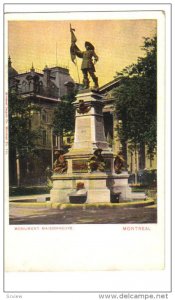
(89, 127)
(98, 191)
(62, 187)
(89, 133)
(95, 185)
(89, 136)
(121, 185)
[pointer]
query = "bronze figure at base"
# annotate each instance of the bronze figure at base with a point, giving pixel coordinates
(119, 163)
(96, 161)
(60, 164)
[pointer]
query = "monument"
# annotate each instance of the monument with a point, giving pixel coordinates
(90, 171)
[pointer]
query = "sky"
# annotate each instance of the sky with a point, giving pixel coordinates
(117, 44)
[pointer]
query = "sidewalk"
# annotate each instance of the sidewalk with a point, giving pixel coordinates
(30, 198)
(44, 213)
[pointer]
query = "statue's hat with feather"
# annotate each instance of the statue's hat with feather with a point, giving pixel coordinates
(91, 47)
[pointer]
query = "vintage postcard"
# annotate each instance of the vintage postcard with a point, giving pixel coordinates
(85, 109)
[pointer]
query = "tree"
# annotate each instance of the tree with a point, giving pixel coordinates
(136, 100)
(64, 116)
(21, 136)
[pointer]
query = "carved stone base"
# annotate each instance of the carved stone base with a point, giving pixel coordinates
(121, 185)
(89, 136)
(97, 185)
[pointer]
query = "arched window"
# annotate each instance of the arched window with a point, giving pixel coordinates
(44, 137)
(44, 116)
(24, 86)
(40, 87)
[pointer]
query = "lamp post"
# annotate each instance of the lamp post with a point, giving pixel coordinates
(51, 140)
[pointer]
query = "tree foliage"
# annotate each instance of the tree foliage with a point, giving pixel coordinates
(136, 99)
(22, 137)
(64, 115)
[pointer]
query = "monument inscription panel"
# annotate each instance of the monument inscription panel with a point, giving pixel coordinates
(84, 129)
(80, 166)
(99, 128)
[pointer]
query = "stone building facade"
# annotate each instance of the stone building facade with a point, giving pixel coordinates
(43, 89)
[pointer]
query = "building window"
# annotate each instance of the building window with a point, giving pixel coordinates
(44, 116)
(24, 86)
(55, 140)
(44, 137)
(24, 83)
(40, 87)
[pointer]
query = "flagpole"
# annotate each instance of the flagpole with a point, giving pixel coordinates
(74, 38)
(77, 70)
(56, 56)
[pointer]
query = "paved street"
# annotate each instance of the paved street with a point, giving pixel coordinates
(41, 214)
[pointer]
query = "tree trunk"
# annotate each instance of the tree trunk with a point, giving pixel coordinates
(136, 170)
(142, 156)
(124, 152)
(17, 168)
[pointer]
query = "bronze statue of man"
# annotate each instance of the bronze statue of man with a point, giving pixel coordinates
(60, 164)
(89, 59)
(96, 161)
(119, 163)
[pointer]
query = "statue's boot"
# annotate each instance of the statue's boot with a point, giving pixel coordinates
(95, 83)
(86, 83)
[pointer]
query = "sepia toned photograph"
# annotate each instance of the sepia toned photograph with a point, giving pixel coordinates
(82, 107)
(85, 138)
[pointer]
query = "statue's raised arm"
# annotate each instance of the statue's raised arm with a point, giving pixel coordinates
(89, 59)
(74, 50)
